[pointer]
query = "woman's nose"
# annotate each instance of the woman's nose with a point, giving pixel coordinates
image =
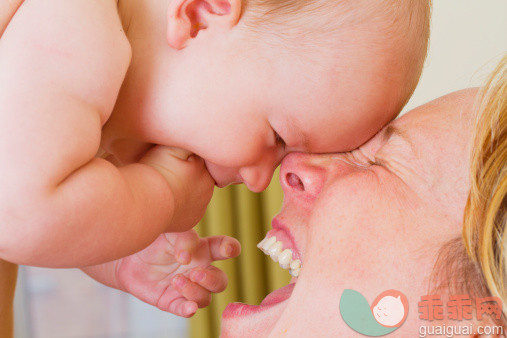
(300, 174)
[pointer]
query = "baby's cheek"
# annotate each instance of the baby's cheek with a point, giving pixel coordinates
(232, 151)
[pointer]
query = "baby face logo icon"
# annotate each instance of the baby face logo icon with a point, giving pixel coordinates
(387, 312)
(389, 309)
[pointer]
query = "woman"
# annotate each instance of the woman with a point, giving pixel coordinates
(376, 219)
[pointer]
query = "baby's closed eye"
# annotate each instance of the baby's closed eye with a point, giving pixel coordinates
(279, 140)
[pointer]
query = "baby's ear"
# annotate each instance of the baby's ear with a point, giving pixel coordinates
(187, 17)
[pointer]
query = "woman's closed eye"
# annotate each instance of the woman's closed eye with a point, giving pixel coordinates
(396, 152)
(394, 144)
(358, 157)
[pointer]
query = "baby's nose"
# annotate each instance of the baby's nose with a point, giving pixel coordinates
(257, 178)
(300, 175)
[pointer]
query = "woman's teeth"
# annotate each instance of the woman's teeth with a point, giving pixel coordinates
(270, 246)
(275, 250)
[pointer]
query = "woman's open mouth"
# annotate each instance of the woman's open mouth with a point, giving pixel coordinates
(235, 310)
(279, 244)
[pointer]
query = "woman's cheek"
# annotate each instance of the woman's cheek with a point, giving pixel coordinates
(348, 223)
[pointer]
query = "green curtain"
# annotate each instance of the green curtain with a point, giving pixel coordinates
(8, 275)
(237, 212)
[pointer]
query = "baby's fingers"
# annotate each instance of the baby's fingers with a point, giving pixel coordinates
(223, 247)
(182, 307)
(211, 278)
(173, 302)
(185, 245)
(191, 291)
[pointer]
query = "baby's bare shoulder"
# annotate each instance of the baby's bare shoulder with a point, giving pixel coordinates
(78, 42)
(7, 10)
(91, 21)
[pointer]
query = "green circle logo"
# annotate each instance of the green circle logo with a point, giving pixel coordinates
(386, 314)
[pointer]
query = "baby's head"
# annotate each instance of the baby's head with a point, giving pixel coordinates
(242, 83)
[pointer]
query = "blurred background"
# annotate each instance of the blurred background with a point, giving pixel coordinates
(468, 37)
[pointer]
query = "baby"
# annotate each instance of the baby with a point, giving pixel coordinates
(237, 84)
(242, 83)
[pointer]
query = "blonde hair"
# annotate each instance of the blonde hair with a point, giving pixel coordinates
(485, 219)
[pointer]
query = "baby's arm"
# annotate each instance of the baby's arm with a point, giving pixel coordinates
(61, 66)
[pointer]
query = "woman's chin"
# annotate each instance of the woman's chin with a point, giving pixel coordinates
(255, 320)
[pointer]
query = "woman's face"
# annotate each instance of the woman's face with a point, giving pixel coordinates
(369, 220)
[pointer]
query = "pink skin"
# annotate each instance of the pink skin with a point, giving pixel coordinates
(174, 273)
(370, 227)
(228, 113)
(282, 234)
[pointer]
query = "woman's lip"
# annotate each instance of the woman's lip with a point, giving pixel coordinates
(279, 295)
(236, 310)
(283, 234)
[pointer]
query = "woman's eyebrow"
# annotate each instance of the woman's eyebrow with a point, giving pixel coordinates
(393, 130)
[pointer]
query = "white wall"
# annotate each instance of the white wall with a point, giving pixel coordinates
(468, 37)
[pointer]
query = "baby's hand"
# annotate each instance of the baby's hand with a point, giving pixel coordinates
(190, 182)
(174, 272)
